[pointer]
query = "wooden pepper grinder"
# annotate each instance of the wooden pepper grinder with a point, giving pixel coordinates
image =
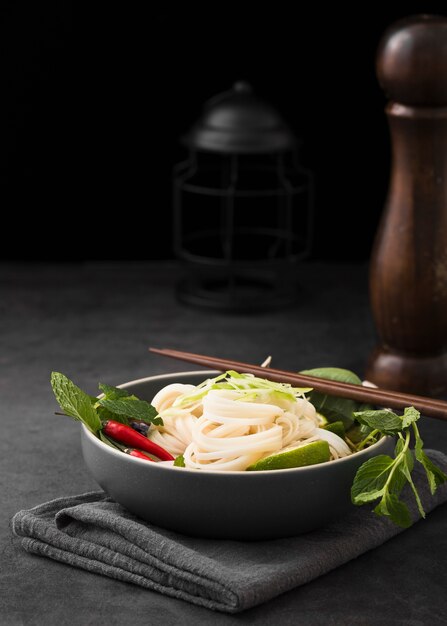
(408, 271)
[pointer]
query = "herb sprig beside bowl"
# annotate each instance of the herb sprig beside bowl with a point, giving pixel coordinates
(383, 477)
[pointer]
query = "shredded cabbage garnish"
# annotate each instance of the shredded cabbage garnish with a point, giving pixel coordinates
(251, 386)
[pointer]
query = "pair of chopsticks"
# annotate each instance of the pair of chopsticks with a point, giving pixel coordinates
(381, 397)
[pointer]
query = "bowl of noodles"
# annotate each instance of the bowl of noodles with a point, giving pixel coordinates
(219, 426)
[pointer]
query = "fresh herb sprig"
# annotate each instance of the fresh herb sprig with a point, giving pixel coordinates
(116, 404)
(75, 402)
(383, 477)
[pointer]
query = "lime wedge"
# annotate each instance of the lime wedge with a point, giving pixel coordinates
(315, 452)
(336, 427)
(322, 420)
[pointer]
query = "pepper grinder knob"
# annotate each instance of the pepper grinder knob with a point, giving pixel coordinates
(408, 268)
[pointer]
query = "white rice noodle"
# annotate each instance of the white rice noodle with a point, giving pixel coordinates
(228, 431)
(176, 432)
(232, 434)
(166, 396)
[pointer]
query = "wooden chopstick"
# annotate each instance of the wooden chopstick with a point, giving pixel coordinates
(382, 397)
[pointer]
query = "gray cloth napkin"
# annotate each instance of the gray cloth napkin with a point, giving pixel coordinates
(93, 532)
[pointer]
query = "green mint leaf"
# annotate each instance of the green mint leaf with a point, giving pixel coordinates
(383, 477)
(435, 475)
(112, 393)
(408, 461)
(399, 446)
(402, 473)
(333, 408)
(370, 479)
(133, 409)
(179, 461)
(406, 467)
(410, 415)
(75, 402)
(386, 421)
(398, 479)
(358, 432)
(334, 373)
(105, 415)
(390, 506)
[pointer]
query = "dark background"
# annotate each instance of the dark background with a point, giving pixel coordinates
(94, 104)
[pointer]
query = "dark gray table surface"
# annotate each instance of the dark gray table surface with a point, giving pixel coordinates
(94, 322)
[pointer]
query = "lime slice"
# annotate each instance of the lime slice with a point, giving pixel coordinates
(322, 420)
(315, 452)
(336, 427)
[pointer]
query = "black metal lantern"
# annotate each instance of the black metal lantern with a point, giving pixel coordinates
(242, 206)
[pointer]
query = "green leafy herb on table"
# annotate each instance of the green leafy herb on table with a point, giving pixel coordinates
(383, 477)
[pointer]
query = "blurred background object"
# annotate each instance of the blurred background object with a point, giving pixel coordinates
(409, 261)
(242, 206)
(90, 118)
(90, 122)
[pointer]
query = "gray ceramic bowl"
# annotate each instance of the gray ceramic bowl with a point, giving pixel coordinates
(227, 505)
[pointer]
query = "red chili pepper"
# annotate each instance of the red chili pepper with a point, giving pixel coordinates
(129, 436)
(137, 454)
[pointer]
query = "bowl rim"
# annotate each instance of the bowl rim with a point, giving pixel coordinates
(164, 466)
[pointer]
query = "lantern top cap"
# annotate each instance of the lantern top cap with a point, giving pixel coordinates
(238, 122)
